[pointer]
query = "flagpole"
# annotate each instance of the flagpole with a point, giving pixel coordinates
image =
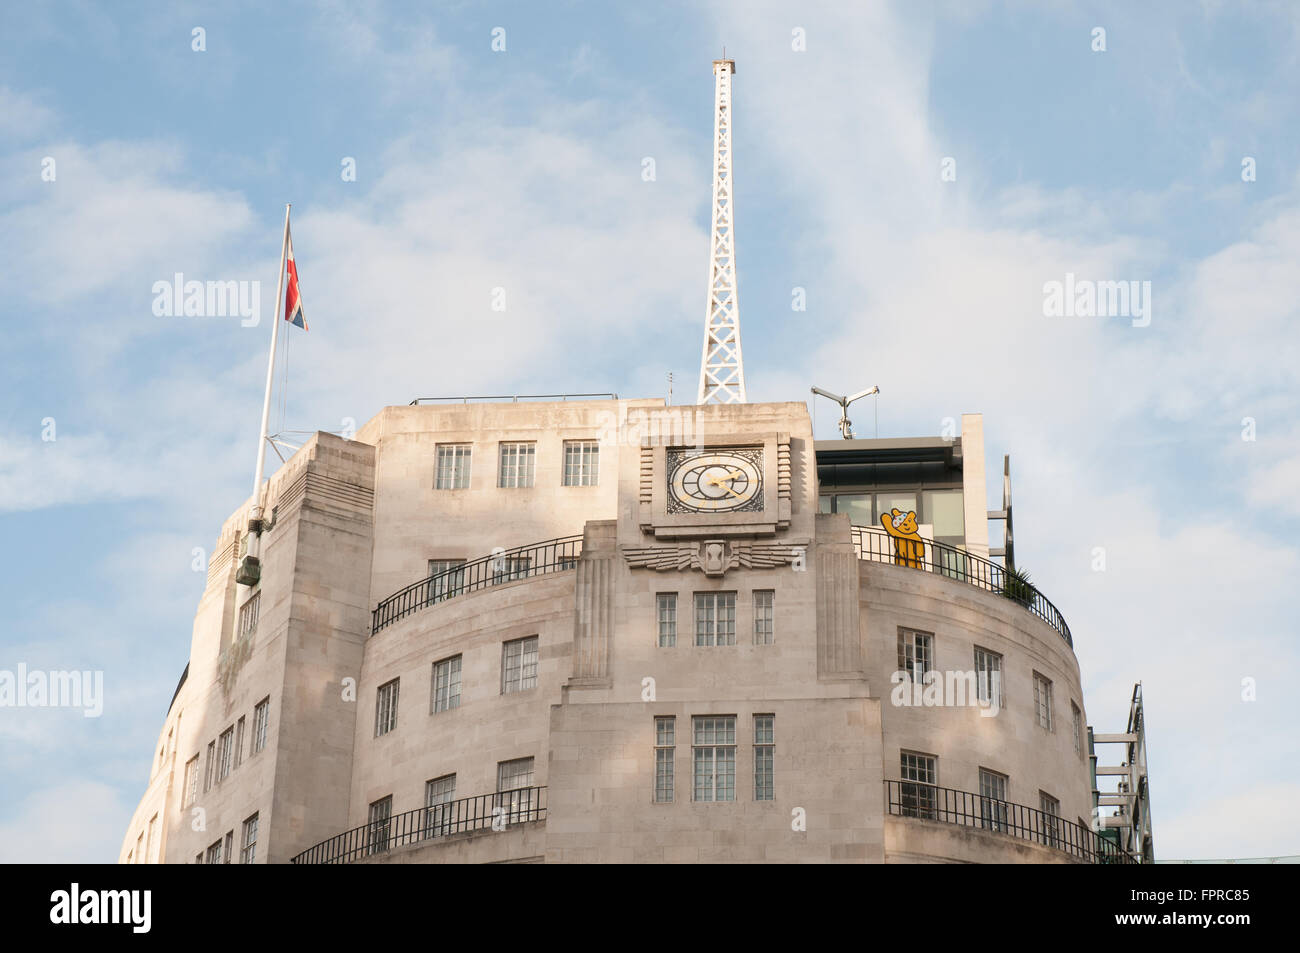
(250, 569)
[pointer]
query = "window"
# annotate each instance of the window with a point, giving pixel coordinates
(764, 757)
(581, 462)
(149, 841)
(214, 852)
(248, 615)
(665, 751)
(517, 464)
(225, 752)
(945, 511)
(261, 718)
(446, 578)
(919, 773)
(515, 790)
(191, 793)
(453, 467)
(993, 800)
(915, 654)
(198, 858)
(1043, 700)
(377, 825)
(248, 842)
(519, 665)
(505, 568)
(988, 676)
(1051, 809)
(438, 795)
(715, 618)
(446, 684)
(763, 614)
(229, 850)
(239, 741)
(1077, 724)
(386, 707)
(209, 766)
(714, 751)
(667, 612)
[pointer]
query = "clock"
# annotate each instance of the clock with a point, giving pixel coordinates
(715, 480)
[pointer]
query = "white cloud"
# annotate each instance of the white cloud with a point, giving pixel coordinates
(76, 821)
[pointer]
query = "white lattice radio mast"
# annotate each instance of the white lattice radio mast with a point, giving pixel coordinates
(722, 373)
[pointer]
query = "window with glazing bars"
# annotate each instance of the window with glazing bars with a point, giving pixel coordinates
(581, 462)
(666, 609)
(764, 614)
(1043, 701)
(714, 754)
(515, 789)
(214, 852)
(448, 577)
(915, 653)
(1077, 724)
(993, 800)
(918, 796)
(261, 719)
(248, 846)
(505, 568)
(715, 618)
(377, 822)
(248, 615)
(191, 781)
(517, 465)
(1051, 808)
(386, 707)
(665, 751)
(225, 753)
(519, 665)
(446, 684)
(764, 757)
(438, 795)
(453, 467)
(228, 851)
(209, 766)
(239, 741)
(988, 677)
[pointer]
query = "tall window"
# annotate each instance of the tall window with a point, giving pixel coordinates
(993, 800)
(386, 707)
(714, 753)
(715, 618)
(505, 568)
(515, 789)
(919, 773)
(1076, 717)
(209, 766)
(239, 741)
(149, 842)
(453, 467)
(248, 615)
(988, 676)
(666, 608)
(225, 753)
(519, 665)
(377, 825)
(228, 852)
(581, 462)
(214, 852)
(446, 684)
(191, 781)
(665, 751)
(438, 795)
(1043, 700)
(915, 654)
(1051, 808)
(261, 719)
(763, 616)
(248, 841)
(448, 577)
(764, 757)
(517, 464)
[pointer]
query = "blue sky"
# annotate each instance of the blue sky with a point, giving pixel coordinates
(522, 169)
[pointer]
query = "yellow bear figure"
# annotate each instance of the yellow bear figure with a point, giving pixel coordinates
(909, 547)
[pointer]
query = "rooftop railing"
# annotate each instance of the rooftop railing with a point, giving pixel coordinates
(483, 812)
(512, 398)
(965, 809)
(875, 545)
(508, 565)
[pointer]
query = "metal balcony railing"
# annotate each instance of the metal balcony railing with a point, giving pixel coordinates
(483, 812)
(965, 809)
(522, 562)
(875, 545)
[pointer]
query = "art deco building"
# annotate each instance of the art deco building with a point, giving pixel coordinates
(612, 630)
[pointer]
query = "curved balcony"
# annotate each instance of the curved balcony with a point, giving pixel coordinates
(875, 545)
(509, 565)
(929, 802)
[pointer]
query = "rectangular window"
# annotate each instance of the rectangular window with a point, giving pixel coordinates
(506, 568)
(988, 677)
(248, 841)
(248, 615)
(517, 464)
(581, 462)
(446, 684)
(386, 707)
(214, 852)
(191, 782)
(453, 467)
(945, 511)
(665, 751)
(919, 796)
(666, 608)
(993, 800)
(764, 614)
(447, 578)
(239, 741)
(915, 654)
(209, 766)
(228, 850)
(149, 841)
(261, 719)
(438, 795)
(225, 753)
(1077, 724)
(519, 665)
(1043, 700)
(515, 791)
(1051, 808)
(764, 757)
(377, 825)
(714, 754)
(715, 618)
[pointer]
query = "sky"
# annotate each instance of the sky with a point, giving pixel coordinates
(922, 171)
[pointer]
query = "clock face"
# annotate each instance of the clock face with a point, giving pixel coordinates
(715, 480)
